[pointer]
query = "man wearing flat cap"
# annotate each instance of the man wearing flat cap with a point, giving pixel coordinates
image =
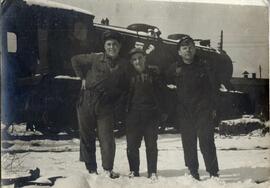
(143, 111)
(103, 83)
(195, 106)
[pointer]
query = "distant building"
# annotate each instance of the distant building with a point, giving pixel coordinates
(258, 90)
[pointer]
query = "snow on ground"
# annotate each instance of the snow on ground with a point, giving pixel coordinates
(244, 120)
(243, 160)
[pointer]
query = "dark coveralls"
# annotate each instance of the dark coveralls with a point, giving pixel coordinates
(105, 83)
(195, 104)
(141, 122)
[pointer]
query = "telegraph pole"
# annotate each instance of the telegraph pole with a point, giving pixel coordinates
(260, 70)
(220, 44)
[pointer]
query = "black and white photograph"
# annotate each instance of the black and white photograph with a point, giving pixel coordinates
(135, 93)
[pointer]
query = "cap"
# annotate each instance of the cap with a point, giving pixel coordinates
(111, 35)
(184, 40)
(136, 50)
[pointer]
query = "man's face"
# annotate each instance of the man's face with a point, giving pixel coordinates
(138, 62)
(187, 52)
(112, 48)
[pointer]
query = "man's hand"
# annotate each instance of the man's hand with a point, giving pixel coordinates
(83, 85)
(178, 70)
(214, 114)
(164, 117)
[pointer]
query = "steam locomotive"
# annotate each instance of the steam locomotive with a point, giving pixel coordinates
(39, 38)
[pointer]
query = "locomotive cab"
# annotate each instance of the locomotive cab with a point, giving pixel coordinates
(38, 40)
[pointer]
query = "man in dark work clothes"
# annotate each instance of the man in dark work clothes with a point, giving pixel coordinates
(103, 83)
(143, 113)
(195, 106)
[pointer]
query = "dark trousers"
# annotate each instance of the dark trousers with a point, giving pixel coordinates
(142, 124)
(89, 124)
(198, 125)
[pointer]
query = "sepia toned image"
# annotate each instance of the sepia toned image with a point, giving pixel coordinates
(135, 93)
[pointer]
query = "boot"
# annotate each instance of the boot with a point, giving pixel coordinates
(195, 174)
(133, 174)
(111, 174)
(214, 174)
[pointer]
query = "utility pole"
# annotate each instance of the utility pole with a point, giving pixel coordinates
(260, 70)
(220, 44)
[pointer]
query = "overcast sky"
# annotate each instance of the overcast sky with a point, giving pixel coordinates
(245, 28)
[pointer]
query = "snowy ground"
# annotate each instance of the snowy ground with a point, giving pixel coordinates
(244, 163)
